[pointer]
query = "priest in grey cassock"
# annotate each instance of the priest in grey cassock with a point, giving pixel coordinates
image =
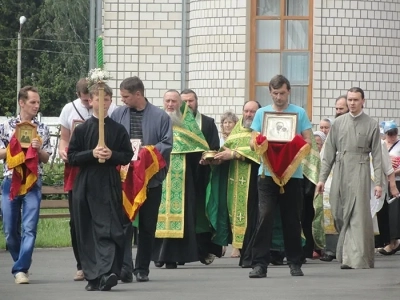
(352, 138)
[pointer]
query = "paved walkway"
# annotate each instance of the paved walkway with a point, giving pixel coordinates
(52, 271)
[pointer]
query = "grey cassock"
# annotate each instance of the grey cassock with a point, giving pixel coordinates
(348, 145)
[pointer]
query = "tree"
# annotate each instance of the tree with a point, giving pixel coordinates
(54, 51)
(10, 12)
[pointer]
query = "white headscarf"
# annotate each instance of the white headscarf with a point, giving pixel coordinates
(321, 135)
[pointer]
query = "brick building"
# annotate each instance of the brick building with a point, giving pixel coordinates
(227, 50)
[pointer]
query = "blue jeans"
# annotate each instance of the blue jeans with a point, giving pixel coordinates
(21, 245)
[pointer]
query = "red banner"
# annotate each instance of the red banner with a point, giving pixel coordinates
(283, 159)
(134, 187)
(70, 173)
(24, 163)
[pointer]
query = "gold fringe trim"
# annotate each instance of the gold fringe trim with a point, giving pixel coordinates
(259, 149)
(301, 154)
(142, 195)
(16, 160)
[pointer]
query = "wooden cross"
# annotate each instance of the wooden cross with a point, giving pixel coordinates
(101, 142)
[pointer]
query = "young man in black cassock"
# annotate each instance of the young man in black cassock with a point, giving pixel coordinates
(97, 195)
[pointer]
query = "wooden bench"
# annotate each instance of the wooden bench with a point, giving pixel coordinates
(53, 204)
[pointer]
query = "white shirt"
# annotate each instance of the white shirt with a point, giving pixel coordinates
(359, 114)
(69, 113)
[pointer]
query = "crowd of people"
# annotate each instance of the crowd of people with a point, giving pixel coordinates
(321, 194)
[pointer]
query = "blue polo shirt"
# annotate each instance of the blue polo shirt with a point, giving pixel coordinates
(303, 123)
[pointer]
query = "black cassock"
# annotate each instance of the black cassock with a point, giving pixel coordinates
(97, 197)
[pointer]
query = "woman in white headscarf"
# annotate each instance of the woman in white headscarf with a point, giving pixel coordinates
(320, 138)
(393, 211)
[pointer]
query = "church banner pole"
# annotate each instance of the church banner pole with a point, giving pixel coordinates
(100, 64)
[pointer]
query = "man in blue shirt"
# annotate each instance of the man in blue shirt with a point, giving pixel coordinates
(290, 202)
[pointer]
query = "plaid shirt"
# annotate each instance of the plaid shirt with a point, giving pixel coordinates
(7, 130)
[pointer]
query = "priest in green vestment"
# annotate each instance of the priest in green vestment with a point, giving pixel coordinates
(232, 197)
(176, 228)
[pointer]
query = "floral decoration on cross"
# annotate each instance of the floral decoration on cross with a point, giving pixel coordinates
(97, 75)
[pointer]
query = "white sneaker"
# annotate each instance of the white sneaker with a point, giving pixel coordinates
(21, 278)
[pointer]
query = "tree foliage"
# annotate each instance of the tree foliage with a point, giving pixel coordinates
(55, 47)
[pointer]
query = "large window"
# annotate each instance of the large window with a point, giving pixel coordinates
(281, 43)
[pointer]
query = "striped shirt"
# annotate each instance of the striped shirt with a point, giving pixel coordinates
(136, 124)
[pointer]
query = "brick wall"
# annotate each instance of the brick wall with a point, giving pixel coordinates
(357, 43)
(143, 38)
(217, 55)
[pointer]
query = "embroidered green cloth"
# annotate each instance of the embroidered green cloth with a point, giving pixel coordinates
(227, 192)
(311, 168)
(188, 138)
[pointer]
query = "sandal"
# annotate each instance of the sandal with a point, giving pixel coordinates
(235, 253)
(384, 252)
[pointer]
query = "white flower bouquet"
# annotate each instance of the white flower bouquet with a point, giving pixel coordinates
(97, 75)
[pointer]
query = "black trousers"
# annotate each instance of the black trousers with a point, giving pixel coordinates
(148, 216)
(290, 204)
(127, 265)
(72, 231)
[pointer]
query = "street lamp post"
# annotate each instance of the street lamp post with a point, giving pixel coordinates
(21, 22)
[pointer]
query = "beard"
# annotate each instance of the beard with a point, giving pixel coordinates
(339, 114)
(176, 117)
(247, 123)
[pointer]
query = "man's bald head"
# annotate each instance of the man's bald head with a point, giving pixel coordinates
(341, 106)
(249, 110)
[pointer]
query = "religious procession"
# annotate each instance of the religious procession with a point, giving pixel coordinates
(212, 135)
(277, 191)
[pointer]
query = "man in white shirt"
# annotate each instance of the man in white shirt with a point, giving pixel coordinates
(77, 110)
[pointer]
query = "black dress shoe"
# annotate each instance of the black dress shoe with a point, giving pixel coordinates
(345, 267)
(159, 264)
(93, 285)
(126, 277)
(258, 272)
(141, 277)
(327, 257)
(276, 261)
(172, 265)
(295, 270)
(107, 282)
(180, 263)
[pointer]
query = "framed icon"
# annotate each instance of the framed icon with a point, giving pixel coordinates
(279, 127)
(25, 132)
(75, 123)
(136, 143)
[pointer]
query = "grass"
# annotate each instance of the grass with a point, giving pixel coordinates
(51, 233)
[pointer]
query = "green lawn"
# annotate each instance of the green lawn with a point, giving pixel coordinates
(52, 233)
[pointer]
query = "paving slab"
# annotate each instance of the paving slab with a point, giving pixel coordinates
(52, 271)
